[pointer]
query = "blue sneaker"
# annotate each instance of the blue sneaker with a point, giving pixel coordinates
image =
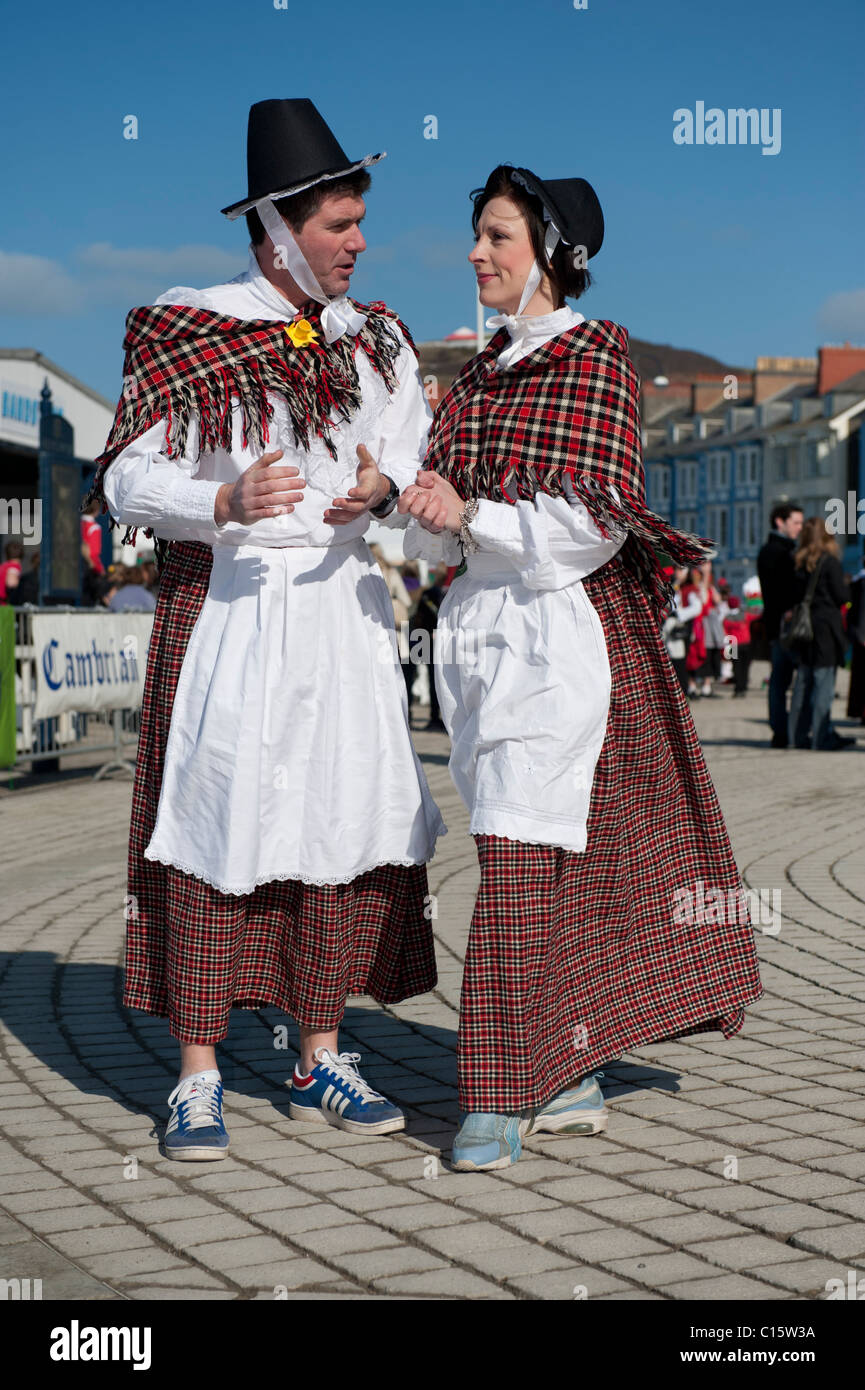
(335, 1093)
(577, 1111)
(196, 1131)
(486, 1140)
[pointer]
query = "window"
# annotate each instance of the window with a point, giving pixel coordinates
(785, 460)
(687, 482)
(824, 457)
(719, 470)
(740, 526)
(661, 485)
(747, 467)
(687, 521)
(717, 520)
(747, 526)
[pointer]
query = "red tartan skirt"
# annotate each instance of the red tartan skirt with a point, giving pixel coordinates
(193, 953)
(574, 959)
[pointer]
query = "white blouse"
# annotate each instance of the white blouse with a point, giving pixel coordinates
(522, 670)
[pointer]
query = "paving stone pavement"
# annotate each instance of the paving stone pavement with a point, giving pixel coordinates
(730, 1169)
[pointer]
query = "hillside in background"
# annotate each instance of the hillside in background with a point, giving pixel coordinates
(678, 364)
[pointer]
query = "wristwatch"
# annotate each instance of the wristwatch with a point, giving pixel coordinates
(386, 506)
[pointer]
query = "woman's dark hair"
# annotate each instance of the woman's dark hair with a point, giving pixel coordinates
(300, 206)
(567, 282)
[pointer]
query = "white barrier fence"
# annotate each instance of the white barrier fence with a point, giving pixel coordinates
(79, 679)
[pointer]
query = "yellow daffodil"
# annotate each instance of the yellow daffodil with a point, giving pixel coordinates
(301, 333)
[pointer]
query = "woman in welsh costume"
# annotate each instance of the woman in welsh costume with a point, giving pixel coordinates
(596, 928)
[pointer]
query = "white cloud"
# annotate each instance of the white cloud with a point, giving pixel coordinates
(842, 317)
(141, 273)
(104, 274)
(37, 285)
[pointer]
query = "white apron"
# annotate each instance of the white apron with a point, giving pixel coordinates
(523, 681)
(289, 754)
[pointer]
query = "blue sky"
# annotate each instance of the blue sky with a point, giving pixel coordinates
(719, 248)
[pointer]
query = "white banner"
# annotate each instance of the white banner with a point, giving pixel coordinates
(89, 661)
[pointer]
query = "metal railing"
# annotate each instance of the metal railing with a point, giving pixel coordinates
(72, 733)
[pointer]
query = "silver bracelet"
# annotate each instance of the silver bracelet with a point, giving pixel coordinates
(467, 540)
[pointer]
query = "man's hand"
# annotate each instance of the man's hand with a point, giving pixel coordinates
(370, 491)
(434, 502)
(260, 491)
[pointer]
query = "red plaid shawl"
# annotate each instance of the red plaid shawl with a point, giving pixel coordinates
(181, 360)
(569, 410)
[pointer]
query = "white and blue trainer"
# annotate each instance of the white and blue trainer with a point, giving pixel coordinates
(580, 1110)
(487, 1140)
(196, 1131)
(335, 1093)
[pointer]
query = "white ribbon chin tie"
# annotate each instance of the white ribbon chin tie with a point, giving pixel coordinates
(552, 237)
(338, 315)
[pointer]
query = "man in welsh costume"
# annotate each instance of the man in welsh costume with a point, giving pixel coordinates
(610, 913)
(281, 821)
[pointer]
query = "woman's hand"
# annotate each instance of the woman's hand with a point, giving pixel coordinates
(434, 502)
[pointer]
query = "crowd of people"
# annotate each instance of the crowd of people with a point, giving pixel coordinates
(711, 633)
(118, 587)
(708, 632)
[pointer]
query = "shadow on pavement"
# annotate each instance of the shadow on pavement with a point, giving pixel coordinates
(70, 1018)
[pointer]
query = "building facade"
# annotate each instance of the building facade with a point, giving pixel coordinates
(717, 464)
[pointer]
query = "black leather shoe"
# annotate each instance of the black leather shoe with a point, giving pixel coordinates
(779, 741)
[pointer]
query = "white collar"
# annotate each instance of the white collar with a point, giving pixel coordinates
(261, 286)
(542, 326)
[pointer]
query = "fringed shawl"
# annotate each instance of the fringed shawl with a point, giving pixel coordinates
(181, 361)
(564, 420)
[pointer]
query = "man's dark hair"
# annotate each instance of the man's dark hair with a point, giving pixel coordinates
(783, 512)
(567, 282)
(14, 550)
(300, 206)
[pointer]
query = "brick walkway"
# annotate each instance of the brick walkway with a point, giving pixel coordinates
(729, 1169)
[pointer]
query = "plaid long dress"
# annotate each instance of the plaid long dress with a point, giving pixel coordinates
(576, 958)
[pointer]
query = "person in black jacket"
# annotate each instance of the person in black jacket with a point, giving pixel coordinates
(856, 628)
(777, 584)
(820, 658)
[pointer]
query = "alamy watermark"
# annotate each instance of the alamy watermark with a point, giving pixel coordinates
(739, 126)
(700, 905)
(846, 518)
(457, 647)
(21, 517)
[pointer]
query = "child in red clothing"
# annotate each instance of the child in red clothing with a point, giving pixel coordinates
(10, 571)
(737, 625)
